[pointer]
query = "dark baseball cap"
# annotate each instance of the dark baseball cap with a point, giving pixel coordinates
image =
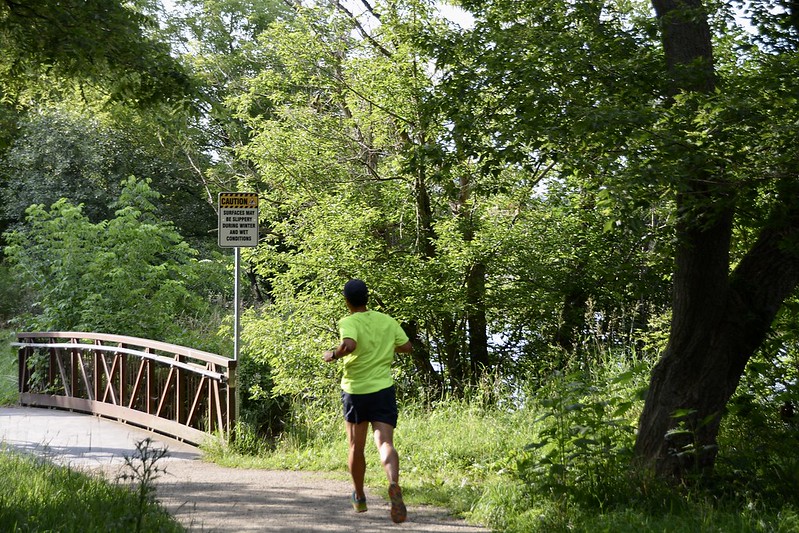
(356, 293)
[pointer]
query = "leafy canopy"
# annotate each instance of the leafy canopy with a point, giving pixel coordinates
(107, 43)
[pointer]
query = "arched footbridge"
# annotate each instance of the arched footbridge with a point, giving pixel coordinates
(169, 389)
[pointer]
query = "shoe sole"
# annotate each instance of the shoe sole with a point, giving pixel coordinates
(399, 512)
(358, 507)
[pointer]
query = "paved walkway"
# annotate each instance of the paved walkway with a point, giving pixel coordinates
(205, 496)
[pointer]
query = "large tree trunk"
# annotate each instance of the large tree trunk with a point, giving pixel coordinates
(707, 354)
(695, 354)
(719, 319)
(680, 393)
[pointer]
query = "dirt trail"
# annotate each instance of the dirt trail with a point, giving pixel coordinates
(209, 498)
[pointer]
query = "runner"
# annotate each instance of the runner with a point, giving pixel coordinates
(369, 340)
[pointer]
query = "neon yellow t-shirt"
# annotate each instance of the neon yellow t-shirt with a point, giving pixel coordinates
(376, 335)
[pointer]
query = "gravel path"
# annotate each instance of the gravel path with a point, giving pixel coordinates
(206, 497)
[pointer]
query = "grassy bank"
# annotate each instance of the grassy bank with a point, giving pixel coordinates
(38, 496)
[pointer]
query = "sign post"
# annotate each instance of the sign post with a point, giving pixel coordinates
(238, 226)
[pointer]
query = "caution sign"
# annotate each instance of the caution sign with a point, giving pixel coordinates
(238, 219)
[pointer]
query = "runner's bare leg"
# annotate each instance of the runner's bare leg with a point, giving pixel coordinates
(356, 435)
(384, 440)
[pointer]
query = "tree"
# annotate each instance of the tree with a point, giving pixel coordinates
(566, 137)
(76, 151)
(689, 126)
(720, 317)
(360, 177)
(337, 193)
(216, 41)
(88, 91)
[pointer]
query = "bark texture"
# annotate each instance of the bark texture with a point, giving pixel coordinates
(714, 334)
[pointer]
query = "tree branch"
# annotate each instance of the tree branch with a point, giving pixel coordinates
(366, 35)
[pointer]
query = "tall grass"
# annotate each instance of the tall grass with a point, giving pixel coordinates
(39, 496)
(9, 394)
(556, 458)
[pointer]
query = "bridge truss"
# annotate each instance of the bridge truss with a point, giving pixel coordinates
(174, 390)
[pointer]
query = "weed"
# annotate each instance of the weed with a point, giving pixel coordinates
(583, 437)
(9, 388)
(143, 470)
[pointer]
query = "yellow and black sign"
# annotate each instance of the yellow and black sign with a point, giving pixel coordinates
(238, 219)
(231, 200)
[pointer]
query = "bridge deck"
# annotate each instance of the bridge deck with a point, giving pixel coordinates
(80, 440)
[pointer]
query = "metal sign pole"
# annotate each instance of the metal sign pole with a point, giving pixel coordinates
(238, 226)
(236, 310)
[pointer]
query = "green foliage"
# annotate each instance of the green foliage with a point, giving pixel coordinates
(12, 296)
(108, 44)
(59, 155)
(360, 177)
(128, 275)
(288, 344)
(338, 200)
(78, 151)
(216, 40)
(585, 437)
(39, 496)
(761, 427)
(311, 439)
(264, 410)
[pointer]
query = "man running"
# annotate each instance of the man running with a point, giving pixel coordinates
(369, 340)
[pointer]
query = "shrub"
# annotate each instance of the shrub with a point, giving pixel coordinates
(131, 275)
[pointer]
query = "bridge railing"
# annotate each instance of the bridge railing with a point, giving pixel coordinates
(174, 390)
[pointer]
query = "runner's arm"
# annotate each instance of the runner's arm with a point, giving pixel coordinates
(404, 348)
(346, 347)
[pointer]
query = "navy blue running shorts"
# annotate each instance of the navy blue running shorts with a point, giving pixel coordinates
(380, 406)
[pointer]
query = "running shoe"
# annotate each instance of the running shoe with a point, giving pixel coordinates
(398, 511)
(359, 505)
